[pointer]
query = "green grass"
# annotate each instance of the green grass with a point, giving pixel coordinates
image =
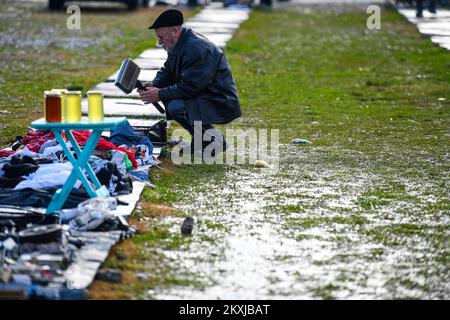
(45, 54)
(371, 101)
(355, 83)
(317, 221)
(169, 183)
(145, 255)
(399, 234)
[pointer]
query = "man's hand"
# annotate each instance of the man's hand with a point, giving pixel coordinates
(149, 95)
(147, 84)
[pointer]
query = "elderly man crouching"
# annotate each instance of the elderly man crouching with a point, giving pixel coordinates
(195, 83)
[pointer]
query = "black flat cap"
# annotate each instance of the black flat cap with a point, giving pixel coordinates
(169, 18)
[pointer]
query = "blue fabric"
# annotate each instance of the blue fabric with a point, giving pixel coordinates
(49, 143)
(141, 174)
(125, 134)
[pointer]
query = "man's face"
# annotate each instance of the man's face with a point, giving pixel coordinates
(167, 37)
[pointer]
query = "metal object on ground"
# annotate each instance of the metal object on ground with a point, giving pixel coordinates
(187, 226)
(41, 234)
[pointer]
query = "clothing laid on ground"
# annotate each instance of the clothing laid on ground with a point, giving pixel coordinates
(48, 143)
(39, 198)
(81, 136)
(18, 170)
(47, 176)
(143, 155)
(141, 174)
(41, 140)
(125, 135)
(110, 176)
(6, 153)
(34, 139)
(30, 175)
(9, 182)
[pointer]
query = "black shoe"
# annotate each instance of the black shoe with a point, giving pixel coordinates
(213, 153)
(200, 152)
(187, 148)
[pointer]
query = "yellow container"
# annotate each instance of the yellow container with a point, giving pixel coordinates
(95, 106)
(62, 92)
(73, 107)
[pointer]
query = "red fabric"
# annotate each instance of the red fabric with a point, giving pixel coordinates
(6, 153)
(34, 139)
(81, 136)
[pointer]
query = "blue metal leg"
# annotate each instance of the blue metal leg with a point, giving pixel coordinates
(79, 152)
(83, 157)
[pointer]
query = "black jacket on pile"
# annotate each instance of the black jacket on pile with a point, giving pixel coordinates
(198, 72)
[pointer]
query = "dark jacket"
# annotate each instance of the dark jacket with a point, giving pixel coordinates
(198, 72)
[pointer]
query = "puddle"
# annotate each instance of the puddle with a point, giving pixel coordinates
(301, 234)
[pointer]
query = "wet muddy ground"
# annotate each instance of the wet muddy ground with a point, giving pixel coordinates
(363, 212)
(320, 227)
